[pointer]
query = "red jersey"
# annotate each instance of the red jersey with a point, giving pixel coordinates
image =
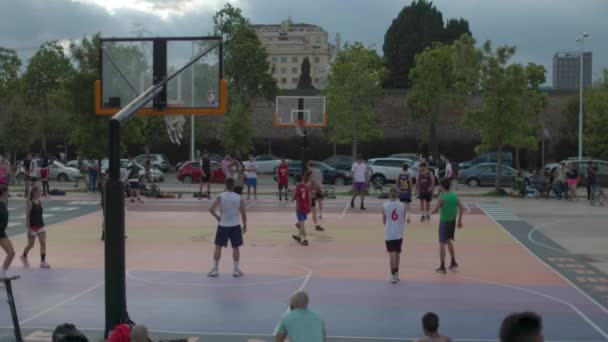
(283, 174)
(302, 198)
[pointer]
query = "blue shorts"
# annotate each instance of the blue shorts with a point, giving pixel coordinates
(252, 182)
(447, 231)
(405, 198)
(234, 234)
(301, 216)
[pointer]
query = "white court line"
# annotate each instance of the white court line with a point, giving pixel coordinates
(78, 295)
(466, 207)
(174, 332)
(591, 299)
(344, 211)
(541, 226)
(301, 288)
(251, 204)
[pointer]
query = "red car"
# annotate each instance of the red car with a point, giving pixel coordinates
(190, 172)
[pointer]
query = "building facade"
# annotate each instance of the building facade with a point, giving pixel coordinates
(288, 44)
(566, 70)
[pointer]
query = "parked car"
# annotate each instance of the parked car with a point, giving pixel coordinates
(190, 172)
(266, 163)
(385, 170)
(157, 175)
(602, 170)
(411, 156)
(488, 157)
(331, 175)
(485, 175)
(340, 162)
(57, 170)
(158, 161)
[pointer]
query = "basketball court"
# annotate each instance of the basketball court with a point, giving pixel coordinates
(344, 270)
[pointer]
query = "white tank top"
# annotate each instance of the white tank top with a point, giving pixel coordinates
(230, 205)
(394, 211)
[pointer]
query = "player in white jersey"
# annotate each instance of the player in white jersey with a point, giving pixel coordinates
(229, 226)
(393, 218)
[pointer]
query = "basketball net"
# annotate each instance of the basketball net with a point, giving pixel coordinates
(175, 127)
(300, 131)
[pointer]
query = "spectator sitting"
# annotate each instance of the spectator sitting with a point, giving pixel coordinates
(430, 327)
(522, 327)
(139, 333)
(300, 324)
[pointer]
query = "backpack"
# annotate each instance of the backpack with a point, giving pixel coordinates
(68, 333)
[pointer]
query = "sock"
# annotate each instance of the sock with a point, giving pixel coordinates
(215, 264)
(453, 260)
(42, 257)
(442, 264)
(393, 271)
(236, 265)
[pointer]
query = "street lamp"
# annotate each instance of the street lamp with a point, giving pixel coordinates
(581, 40)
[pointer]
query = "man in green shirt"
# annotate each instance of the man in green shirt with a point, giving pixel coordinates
(450, 207)
(300, 324)
(5, 243)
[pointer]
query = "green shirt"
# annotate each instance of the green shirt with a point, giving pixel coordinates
(302, 325)
(3, 215)
(449, 208)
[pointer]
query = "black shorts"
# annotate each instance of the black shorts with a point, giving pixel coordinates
(134, 185)
(206, 178)
(425, 197)
(3, 233)
(313, 203)
(406, 198)
(283, 186)
(394, 245)
(319, 195)
(234, 234)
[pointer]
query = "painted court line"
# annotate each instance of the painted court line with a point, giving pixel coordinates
(344, 211)
(539, 227)
(73, 298)
(301, 288)
(600, 306)
(251, 204)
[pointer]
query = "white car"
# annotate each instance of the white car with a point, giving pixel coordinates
(157, 175)
(267, 163)
(384, 170)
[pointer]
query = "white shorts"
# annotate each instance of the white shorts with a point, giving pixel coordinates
(34, 233)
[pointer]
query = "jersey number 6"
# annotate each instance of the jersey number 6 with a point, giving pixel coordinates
(394, 215)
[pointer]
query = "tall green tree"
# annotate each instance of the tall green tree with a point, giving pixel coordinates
(47, 68)
(17, 135)
(417, 27)
(596, 120)
(9, 73)
(247, 70)
(353, 89)
(434, 81)
(305, 81)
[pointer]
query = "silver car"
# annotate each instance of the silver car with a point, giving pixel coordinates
(57, 171)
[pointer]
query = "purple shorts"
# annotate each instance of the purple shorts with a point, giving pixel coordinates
(447, 231)
(359, 186)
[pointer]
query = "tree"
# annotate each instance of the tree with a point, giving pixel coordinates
(17, 126)
(596, 120)
(417, 27)
(247, 70)
(43, 76)
(9, 70)
(501, 118)
(353, 88)
(305, 81)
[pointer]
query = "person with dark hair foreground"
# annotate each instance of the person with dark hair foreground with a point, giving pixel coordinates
(522, 327)
(229, 226)
(430, 327)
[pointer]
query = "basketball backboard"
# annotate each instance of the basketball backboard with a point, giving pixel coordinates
(308, 110)
(129, 66)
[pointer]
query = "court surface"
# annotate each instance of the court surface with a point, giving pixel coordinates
(344, 270)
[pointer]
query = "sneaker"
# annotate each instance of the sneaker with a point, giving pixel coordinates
(297, 238)
(213, 273)
(394, 279)
(304, 242)
(237, 273)
(320, 217)
(422, 218)
(441, 270)
(352, 204)
(362, 207)
(25, 262)
(428, 217)
(45, 265)
(453, 265)
(408, 220)
(319, 229)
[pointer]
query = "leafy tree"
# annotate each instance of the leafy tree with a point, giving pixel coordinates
(305, 81)
(505, 88)
(417, 27)
(9, 70)
(17, 135)
(47, 68)
(353, 89)
(247, 70)
(596, 120)
(434, 81)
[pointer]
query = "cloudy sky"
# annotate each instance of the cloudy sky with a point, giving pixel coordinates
(538, 28)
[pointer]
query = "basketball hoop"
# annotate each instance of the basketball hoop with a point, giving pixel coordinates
(300, 131)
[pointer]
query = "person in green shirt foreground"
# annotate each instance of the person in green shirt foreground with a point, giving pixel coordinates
(300, 324)
(5, 243)
(450, 207)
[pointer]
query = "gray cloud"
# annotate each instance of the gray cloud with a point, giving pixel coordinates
(538, 28)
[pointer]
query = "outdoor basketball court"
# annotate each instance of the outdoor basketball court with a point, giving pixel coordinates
(344, 270)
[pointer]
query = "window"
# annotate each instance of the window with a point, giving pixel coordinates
(294, 70)
(294, 59)
(318, 40)
(195, 164)
(283, 70)
(388, 163)
(294, 80)
(283, 59)
(283, 80)
(274, 59)
(317, 59)
(602, 167)
(264, 158)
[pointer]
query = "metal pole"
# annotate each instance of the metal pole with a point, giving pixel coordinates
(192, 105)
(11, 303)
(580, 105)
